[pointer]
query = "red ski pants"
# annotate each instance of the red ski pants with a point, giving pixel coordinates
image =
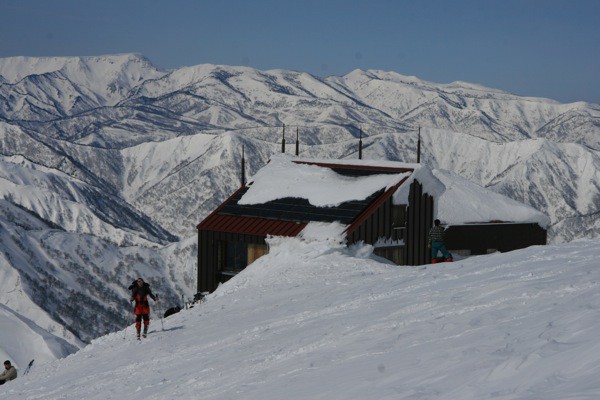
(138, 321)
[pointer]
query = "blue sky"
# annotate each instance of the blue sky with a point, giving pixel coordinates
(541, 48)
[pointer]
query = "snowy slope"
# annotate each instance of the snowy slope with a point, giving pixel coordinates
(316, 320)
(75, 285)
(72, 187)
(99, 153)
(23, 318)
(23, 340)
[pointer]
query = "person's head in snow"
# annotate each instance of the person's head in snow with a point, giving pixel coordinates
(140, 291)
(9, 373)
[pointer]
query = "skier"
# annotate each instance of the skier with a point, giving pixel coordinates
(140, 291)
(436, 242)
(10, 373)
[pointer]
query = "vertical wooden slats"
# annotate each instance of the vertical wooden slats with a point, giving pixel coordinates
(419, 218)
(207, 261)
(428, 225)
(374, 224)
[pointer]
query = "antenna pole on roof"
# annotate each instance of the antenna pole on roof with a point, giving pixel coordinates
(419, 147)
(283, 140)
(243, 168)
(297, 144)
(360, 144)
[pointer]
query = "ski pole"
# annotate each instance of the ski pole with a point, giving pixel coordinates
(127, 326)
(160, 313)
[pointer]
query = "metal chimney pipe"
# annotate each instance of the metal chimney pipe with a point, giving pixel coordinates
(419, 147)
(360, 145)
(243, 168)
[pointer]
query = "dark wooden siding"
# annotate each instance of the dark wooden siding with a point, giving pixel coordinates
(207, 261)
(419, 221)
(377, 225)
(479, 238)
(375, 221)
(209, 272)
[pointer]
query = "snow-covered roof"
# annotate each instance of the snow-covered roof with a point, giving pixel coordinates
(463, 201)
(457, 200)
(285, 177)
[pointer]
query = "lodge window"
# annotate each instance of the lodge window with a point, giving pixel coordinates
(233, 257)
(256, 251)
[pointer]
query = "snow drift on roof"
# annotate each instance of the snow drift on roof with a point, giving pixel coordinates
(321, 186)
(334, 232)
(459, 201)
(464, 201)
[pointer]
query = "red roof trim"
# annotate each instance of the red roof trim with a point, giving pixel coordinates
(250, 225)
(353, 166)
(208, 219)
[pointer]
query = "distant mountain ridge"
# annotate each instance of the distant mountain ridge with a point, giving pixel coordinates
(112, 153)
(70, 96)
(107, 78)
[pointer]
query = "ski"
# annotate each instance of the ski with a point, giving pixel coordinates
(28, 367)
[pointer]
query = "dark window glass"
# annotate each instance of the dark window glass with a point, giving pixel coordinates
(236, 256)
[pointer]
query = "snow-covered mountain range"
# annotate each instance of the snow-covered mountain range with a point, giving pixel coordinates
(108, 163)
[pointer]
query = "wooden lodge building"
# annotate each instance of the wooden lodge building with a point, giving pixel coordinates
(395, 219)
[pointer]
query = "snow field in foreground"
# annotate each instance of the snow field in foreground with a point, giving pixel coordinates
(315, 320)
